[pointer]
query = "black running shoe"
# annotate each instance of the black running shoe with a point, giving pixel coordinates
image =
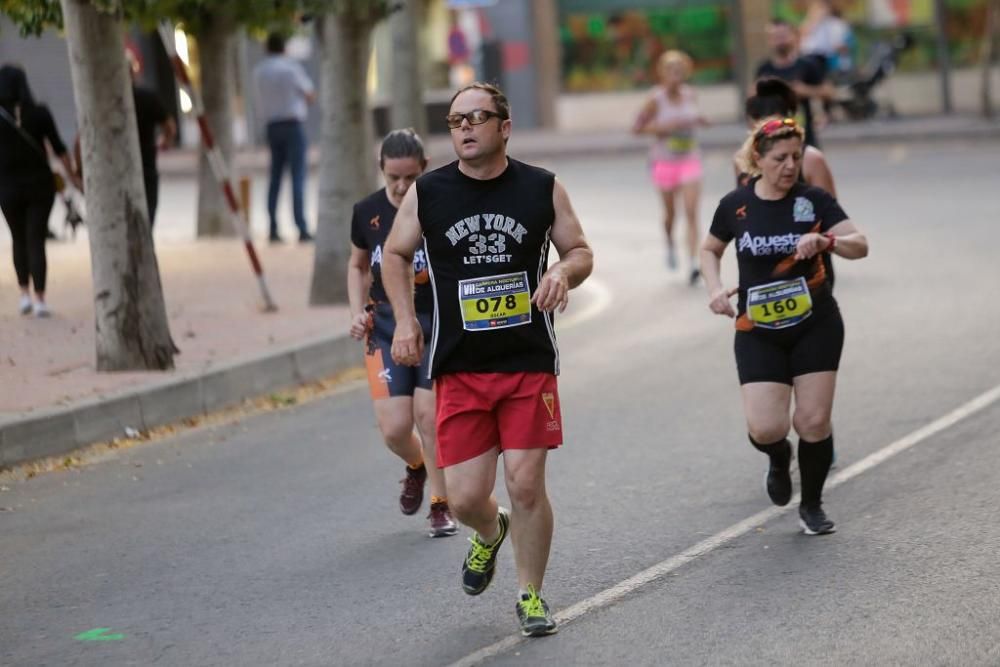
(778, 481)
(815, 522)
(481, 561)
(534, 616)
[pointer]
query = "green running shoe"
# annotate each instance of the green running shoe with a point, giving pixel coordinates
(481, 561)
(534, 616)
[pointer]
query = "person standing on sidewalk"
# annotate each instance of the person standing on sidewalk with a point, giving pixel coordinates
(789, 332)
(284, 92)
(150, 117)
(27, 184)
(486, 222)
(403, 395)
(806, 77)
(670, 115)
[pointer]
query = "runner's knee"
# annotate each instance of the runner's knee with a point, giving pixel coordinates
(526, 487)
(811, 425)
(467, 502)
(424, 417)
(766, 431)
(396, 429)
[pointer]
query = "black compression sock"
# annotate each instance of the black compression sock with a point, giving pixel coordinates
(780, 452)
(814, 464)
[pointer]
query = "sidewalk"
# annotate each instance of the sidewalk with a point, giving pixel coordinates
(54, 400)
(542, 144)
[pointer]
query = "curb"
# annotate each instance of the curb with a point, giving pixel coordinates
(540, 144)
(61, 430)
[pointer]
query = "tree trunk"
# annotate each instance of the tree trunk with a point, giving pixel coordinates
(216, 50)
(989, 55)
(347, 156)
(407, 83)
(131, 319)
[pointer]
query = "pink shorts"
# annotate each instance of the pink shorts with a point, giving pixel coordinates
(671, 174)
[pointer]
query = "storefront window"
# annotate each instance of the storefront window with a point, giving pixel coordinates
(874, 21)
(608, 46)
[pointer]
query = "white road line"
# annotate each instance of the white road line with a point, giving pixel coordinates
(619, 591)
(601, 299)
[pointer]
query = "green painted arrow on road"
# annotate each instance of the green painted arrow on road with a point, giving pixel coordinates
(98, 635)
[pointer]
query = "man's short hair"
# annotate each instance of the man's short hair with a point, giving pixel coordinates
(275, 43)
(499, 99)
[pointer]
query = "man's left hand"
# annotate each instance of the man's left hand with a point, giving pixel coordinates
(552, 292)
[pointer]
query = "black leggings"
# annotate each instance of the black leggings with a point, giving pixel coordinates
(27, 214)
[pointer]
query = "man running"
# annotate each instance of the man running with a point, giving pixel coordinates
(487, 221)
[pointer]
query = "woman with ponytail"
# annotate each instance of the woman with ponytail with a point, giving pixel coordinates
(774, 98)
(403, 395)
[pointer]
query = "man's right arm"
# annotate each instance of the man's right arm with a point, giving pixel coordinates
(305, 84)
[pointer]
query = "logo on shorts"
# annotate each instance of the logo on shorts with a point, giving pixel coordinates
(803, 210)
(549, 399)
(385, 376)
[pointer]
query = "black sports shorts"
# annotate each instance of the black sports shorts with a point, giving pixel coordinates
(386, 378)
(814, 345)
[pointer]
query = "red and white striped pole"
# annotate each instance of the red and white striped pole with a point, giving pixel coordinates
(219, 167)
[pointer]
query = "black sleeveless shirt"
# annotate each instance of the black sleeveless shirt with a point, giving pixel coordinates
(487, 245)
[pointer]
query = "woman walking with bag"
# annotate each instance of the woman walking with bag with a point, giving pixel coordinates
(27, 184)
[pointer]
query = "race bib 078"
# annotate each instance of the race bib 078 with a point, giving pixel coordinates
(495, 302)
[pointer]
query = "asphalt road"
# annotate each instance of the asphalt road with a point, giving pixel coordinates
(276, 540)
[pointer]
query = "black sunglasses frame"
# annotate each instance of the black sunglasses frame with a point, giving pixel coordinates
(451, 118)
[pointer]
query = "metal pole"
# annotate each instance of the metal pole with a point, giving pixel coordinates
(219, 167)
(740, 56)
(944, 59)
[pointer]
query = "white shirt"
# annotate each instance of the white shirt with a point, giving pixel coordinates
(282, 85)
(828, 37)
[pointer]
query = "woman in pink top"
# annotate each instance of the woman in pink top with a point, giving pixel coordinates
(670, 115)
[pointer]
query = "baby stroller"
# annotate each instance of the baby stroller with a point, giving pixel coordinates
(855, 95)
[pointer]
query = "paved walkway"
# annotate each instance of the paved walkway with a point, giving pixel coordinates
(213, 306)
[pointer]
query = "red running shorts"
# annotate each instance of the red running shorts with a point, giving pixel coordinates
(477, 412)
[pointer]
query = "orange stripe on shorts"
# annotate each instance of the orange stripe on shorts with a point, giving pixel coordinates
(375, 365)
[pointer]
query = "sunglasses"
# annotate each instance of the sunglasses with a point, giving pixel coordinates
(772, 126)
(475, 117)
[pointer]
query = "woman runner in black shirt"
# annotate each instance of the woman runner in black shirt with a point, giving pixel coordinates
(403, 395)
(789, 333)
